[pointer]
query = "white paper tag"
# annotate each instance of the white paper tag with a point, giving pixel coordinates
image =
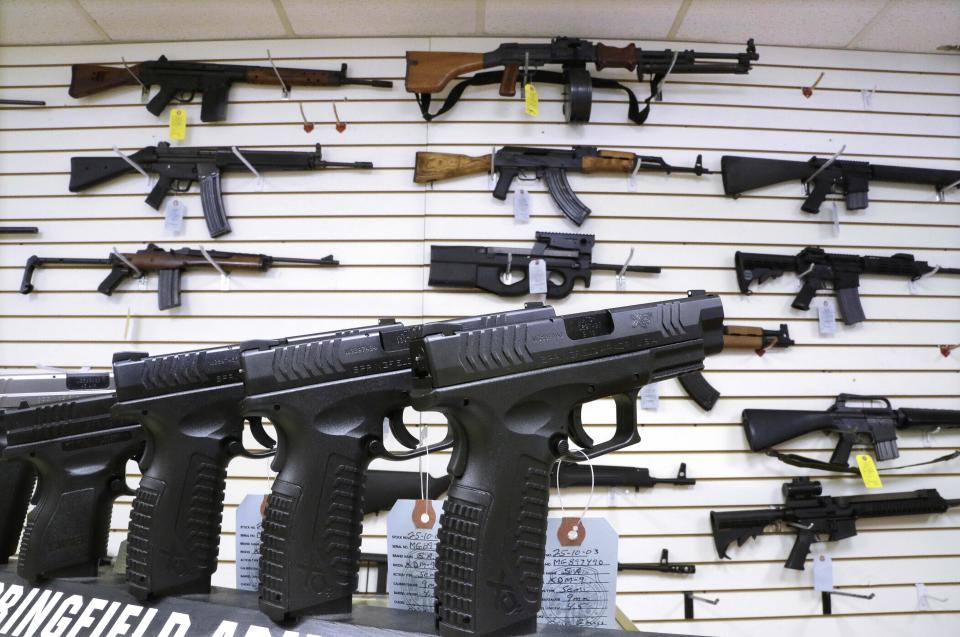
(867, 97)
(224, 282)
(923, 601)
(537, 276)
(249, 527)
(650, 397)
(822, 573)
(827, 318)
(835, 216)
(173, 213)
(521, 206)
(142, 283)
(621, 283)
(411, 566)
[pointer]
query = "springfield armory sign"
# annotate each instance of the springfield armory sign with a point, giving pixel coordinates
(40, 612)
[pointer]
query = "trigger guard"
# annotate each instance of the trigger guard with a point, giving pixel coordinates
(146, 456)
(416, 452)
(625, 435)
(399, 431)
(259, 433)
(576, 431)
(185, 100)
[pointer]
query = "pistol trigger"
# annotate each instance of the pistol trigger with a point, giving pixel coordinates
(576, 431)
(399, 431)
(259, 433)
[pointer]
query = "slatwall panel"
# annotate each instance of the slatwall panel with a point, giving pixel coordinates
(380, 225)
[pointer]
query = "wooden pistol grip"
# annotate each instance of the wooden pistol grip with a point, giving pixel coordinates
(90, 79)
(437, 166)
(429, 71)
(508, 83)
(616, 57)
(621, 163)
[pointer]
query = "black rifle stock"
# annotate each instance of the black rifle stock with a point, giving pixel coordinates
(823, 177)
(813, 516)
(512, 395)
(179, 166)
(875, 424)
(189, 406)
(328, 396)
(80, 455)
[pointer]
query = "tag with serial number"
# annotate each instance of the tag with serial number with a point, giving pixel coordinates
(537, 276)
(178, 124)
(412, 553)
(521, 206)
(249, 527)
(650, 397)
(822, 573)
(868, 471)
(827, 318)
(531, 100)
(173, 213)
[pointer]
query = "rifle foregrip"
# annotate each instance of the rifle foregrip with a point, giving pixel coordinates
(310, 547)
(175, 523)
(928, 418)
(17, 479)
(766, 428)
(491, 550)
(66, 533)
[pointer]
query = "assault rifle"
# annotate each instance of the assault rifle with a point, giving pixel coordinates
(182, 81)
(178, 167)
(169, 264)
(811, 515)
(430, 71)
(822, 270)
(823, 176)
(565, 255)
(80, 455)
(734, 337)
(513, 396)
(876, 425)
(550, 164)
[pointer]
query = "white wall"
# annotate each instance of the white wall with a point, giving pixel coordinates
(380, 225)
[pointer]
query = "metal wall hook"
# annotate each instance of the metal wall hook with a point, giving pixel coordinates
(622, 273)
(826, 598)
(942, 192)
(144, 89)
(127, 262)
(133, 164)
(689, 597)
(824, 166)
(526, 73)
(246, 162)
(284, 89)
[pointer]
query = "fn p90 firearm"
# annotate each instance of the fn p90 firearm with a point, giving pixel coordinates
(824, 270)
(178, 167)
(513, 396)
(549, 164)
(567, 258)
(168, 264)
(822, 177)
(812, 515)
(183, 80)
(430, 71)
(857, 419)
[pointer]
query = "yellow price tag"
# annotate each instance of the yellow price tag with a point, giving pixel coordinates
(531, 100)
(178, 124)
(868, 471)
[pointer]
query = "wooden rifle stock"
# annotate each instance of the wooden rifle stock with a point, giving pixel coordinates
(439, 166)
(90, 79)
(430, 72)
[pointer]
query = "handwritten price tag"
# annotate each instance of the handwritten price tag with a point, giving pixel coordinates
(868, 471)
(178, 124)
(531, 100)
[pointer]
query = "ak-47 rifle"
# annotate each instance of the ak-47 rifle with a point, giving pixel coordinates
(169, 264)
(183, 80)
(178, 167)
(549, 164)
(430, 71)
(564, 254)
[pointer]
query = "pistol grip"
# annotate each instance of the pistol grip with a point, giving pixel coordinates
(503, 183)
(310, 547)
(508, 81)
(817, 194)
(18, 479)
(163, 97)
(807, 291)
(174, 531)
(800, 551)
(118, 273)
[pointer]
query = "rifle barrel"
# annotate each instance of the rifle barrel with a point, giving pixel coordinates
(327, 260)
(649, 269)
(345, 164)
(19, 230)
(377, 83)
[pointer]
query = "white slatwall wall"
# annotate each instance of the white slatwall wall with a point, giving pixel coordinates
(380, 225)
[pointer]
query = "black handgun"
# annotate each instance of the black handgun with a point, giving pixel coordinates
(80, 454)
(513, 396)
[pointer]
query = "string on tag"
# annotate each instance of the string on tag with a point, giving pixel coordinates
(574, 532)
(134, 164)
(126, 324)
(236, 151)
(284, 89)
(125, 261)
(421, 461)
(824, 165)
(622, 273)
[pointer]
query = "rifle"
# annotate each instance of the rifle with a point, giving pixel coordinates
(79, 454)
(842, 271)
(430, 71)
(328, 395)
(19, 230)
(550, 164)
(169, 265)
(513, 398)
(183, 80)
(811, 515)
(189, 406)
(178, 167)
(821, 177)
(663, 566)
(876, 425)
(565, 255)
(699, 388)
